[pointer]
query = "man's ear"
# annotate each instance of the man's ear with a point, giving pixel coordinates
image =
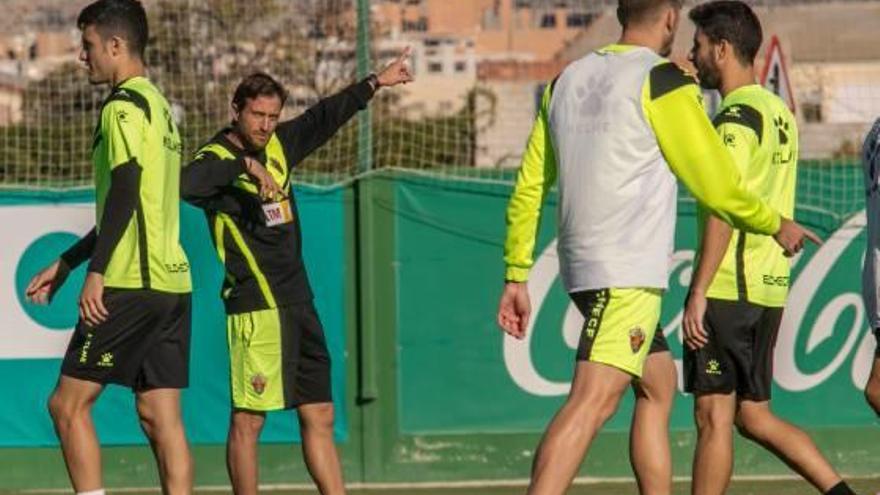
(235, 111)
(721, 50)
(115, 45)
(671, 20)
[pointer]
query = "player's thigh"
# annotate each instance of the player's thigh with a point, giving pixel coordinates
(597, 388)
(72, 394)
(160, 407)
(659, 378)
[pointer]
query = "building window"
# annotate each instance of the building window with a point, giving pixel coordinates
(548, 21)
(812, 112)
(435, 67)
(420, 25)
(491, 19)
(578, 19)
(460, 66)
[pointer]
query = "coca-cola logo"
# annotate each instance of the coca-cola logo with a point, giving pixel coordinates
(823, 328)
(815, 316)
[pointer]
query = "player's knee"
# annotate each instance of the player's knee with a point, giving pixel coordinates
(63, 410)
(157, 423)
(318, 417)
(57, 408)
(751, 424)
(247, 425)
(658, 384)
(603, 405)
(710, 419)
(147, 418)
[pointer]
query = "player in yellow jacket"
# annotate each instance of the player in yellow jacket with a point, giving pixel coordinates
(617, 128)
(741, 282)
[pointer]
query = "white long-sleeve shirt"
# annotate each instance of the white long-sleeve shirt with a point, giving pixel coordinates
(617, 127)
(871, 268)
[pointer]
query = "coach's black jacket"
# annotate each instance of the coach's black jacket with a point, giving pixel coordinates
(264, 265)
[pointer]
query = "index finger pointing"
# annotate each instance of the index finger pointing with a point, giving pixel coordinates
(404, 55)
(809, 234)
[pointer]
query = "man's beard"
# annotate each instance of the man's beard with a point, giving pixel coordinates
(709, 77)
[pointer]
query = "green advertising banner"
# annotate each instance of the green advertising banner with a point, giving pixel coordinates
(40, 225)
(459, 374)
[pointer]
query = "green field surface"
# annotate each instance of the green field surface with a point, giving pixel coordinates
(742, 487)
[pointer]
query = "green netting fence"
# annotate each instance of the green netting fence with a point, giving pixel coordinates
(199, 49)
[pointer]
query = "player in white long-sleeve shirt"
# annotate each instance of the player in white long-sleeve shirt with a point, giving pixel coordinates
(871, 270)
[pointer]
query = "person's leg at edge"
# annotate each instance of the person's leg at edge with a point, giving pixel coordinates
(595, 393)
(872, 389)
(319, 450)
(70, 406)
(790, 444)
(649, 450)
(241, 450)
(714, 415)
(161, 420)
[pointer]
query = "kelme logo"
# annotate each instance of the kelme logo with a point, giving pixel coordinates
(106, 360)
(713, 367)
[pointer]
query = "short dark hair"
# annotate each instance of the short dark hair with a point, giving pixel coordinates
(733, 21)
(635, 11)
(123, 18)
(257, 84)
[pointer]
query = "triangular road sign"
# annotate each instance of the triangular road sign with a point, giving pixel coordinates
(775, 77)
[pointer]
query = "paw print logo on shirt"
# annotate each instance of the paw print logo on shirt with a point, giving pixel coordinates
(782, 127)
(590, 96)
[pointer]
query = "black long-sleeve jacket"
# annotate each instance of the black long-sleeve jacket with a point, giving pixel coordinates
(264, 264)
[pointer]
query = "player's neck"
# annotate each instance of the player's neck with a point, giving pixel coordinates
(127, 71)
(736, 78)
(235, 138)
(641, 37)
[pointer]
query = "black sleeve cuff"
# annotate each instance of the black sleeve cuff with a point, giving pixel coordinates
(364, 91)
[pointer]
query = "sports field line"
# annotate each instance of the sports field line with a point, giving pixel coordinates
(433, 485)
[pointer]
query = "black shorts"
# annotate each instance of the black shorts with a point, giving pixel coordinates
(739, 355)
(143, 344)
(278, 358)
(877, 348)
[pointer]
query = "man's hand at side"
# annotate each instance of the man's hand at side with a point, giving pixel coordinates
(514, 309)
